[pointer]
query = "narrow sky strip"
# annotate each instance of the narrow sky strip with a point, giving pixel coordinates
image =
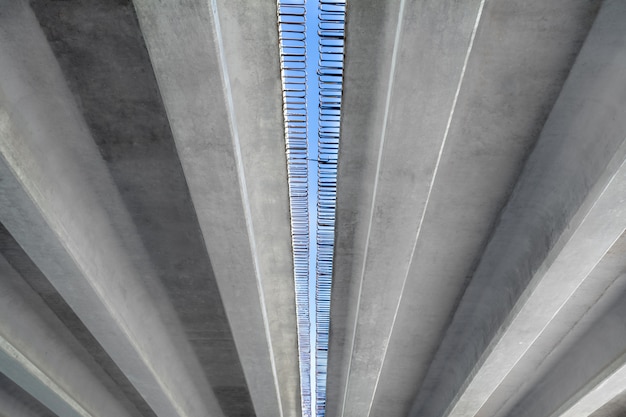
(292, 35)
(312, 50)
(313, 115)
(331, 27)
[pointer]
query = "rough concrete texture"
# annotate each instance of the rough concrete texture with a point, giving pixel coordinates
(234, 162)
(588, 304)
(556, 214)
(587, 376)
(615, 407)
(116, 382)
(16, 402)
(34, 344)
(78, 231)
(145, 239)
(465, 104)
(104, 59)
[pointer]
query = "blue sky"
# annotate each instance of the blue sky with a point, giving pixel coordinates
(312, 99)
(312, 205)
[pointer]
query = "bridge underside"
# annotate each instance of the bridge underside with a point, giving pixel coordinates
(145, 241)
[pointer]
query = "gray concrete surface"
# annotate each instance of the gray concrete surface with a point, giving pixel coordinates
(587, 305)
(374, 27)
(39, 354)
(397, 175)
(587, 376)
(100, 44)
(143, 205)
(66, 226)
(224, 108)
(115, 382)
(562, 218)
(494, 125)
(614, 408)
(16, 402)
(474, 144)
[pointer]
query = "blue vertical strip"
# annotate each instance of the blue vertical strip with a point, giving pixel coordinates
(313, 116)
(331, 31)
(312, 50)
(292, 37)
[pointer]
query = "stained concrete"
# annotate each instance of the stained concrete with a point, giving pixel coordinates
(563, 216)
(419, 196)
(588, 304)
(144, 200)
(614, 408)
(101, 51)
(588, 375)
(115, 158)
(224, 108)
(16, 402)
(115, 380)
(78, 231)
(40, 355)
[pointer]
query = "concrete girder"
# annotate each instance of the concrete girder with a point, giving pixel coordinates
(493, 126)
(376, 23)
(605, 284)
(385, 177)
(217, 66)
(39, 354)
(16, 402)
(58, 201)
(10, 406)
(588, 375)
(614, 408)
(565, 213)
(419, 220)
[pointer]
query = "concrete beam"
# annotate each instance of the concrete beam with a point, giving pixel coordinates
(10, 406)
(58, 201)
(515, 71)
(386, 173)
(217, 66)
(589, 303)
(564, 215)
(39, 354)
(15, 402)
(417, 200)
(587, 376)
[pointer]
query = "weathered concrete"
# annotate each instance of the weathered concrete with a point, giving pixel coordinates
(217, 67)
(16, 402)
(71, 227)
(590, 374)
(115, 382)
(168, 250)
(100, 44)
(564, 215)
(39, 353)
(395, 176)
(587, 305)
(503, 101)
(375, 24)
(614, 408)
(459, 127)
